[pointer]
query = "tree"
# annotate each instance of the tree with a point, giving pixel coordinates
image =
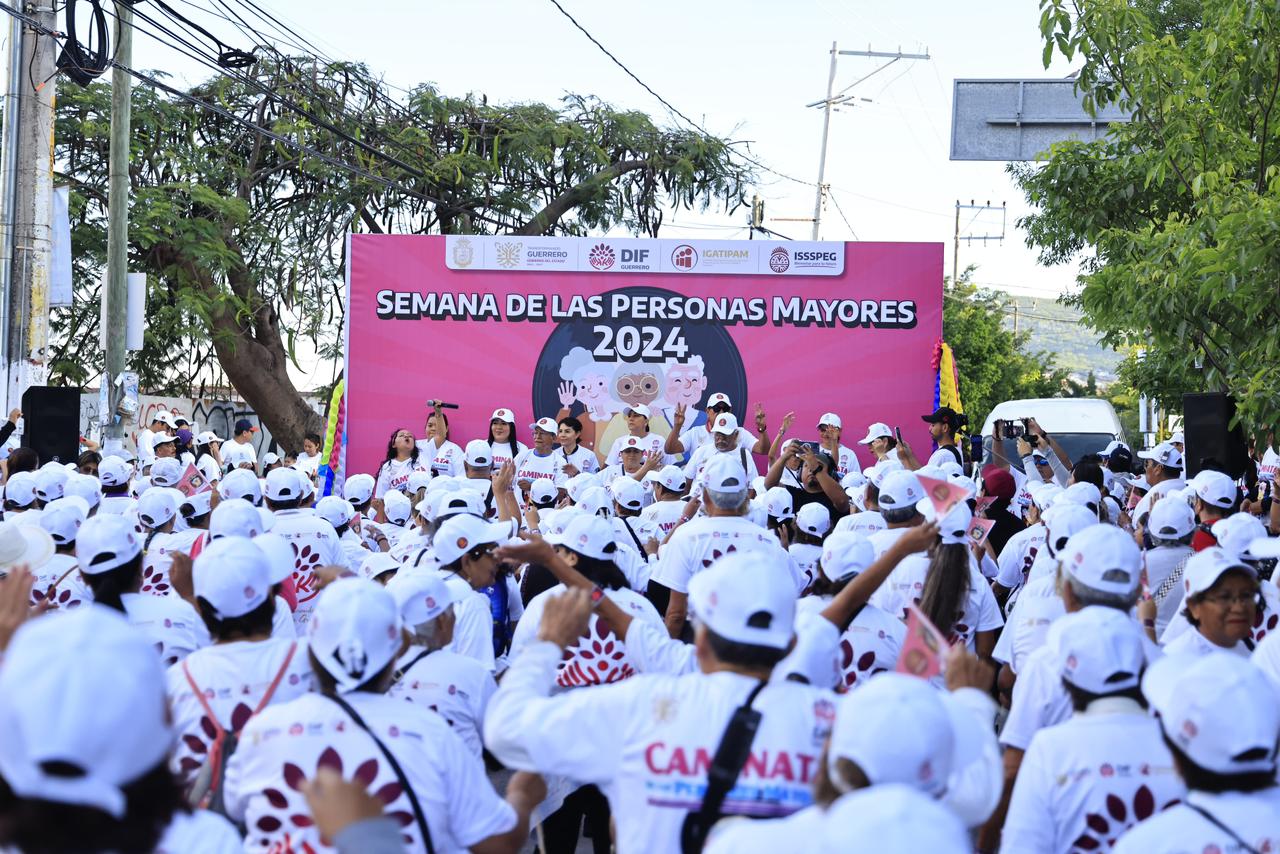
(994, 363)
(1175, 213)
(244, 233)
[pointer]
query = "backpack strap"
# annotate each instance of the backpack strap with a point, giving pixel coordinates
(1216, 822)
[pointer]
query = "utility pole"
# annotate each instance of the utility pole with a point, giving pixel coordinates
(1015, 318)
(118, 190)
(28, 201)
(955, 250)
(834, 99)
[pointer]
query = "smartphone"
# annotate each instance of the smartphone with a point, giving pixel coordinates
(897, 432)
(975, 448)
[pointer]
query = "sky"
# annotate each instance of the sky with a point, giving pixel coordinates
(744, 70)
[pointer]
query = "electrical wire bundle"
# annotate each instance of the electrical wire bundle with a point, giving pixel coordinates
(85, 62)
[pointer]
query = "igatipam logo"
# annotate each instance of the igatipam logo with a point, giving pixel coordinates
(684, 257)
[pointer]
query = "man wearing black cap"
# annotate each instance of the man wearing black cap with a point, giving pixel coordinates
(244, 438)
(943, 424)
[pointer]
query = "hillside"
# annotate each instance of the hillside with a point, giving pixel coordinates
(1056, 329)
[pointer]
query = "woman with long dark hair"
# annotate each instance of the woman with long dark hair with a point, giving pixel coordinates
(84, 761)
(109, 552)
(503, 446)
(400, 462)
(442, 456)
(955, 596)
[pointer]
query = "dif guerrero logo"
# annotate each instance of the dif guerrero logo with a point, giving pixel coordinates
(601, 256)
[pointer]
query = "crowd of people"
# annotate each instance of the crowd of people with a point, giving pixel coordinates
(682, 642)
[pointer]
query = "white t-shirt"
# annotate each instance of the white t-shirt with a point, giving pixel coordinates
(530, 466)
(308, 464)
(767, 836)
(1163, 487)
(1018, 554)
(1026, 629)
(314, 544)
(882, 541)
(1266, 657)
(159, 556)
(806, 556)
(169, 622)
(701, 542)
(394, 474)
(1254, 817)
(1039, 700)
(664, 514)
(473, 622)
(116, 505)
(695, 437)
(647, 742)
(1192, 644)
(285, 744)
(233, 677)
(599, 657)
(583, 459)
(453, 686)
(64, 571)
(1085, 781)
(869, 646)
(846, 461)
(443, 459)
(500, 453)
(200, 830)
(208, 467)
(650, 443)
(244, 450)
(905, 585)
(698, 463)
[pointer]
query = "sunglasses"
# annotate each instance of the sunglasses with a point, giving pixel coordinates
(484, 550)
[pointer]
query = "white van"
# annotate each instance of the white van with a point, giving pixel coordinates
(1081, 425)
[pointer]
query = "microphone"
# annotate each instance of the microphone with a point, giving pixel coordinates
(440, 404)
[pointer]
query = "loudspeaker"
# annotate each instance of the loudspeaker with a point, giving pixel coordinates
(52, 418)
(1205, 420)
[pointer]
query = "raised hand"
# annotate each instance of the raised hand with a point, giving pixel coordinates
(678, 421)
(565, 618)
(567, 394)
(787, 421)
(761, 423)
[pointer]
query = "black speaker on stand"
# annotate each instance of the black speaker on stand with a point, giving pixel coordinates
(51, 415)
(1206, 420)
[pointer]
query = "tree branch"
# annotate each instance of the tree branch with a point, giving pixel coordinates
(547, 218)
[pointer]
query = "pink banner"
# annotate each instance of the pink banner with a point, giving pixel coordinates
(548, 325)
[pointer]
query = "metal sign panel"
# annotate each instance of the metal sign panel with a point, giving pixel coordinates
(1020, 119)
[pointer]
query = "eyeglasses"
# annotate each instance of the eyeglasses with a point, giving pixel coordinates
(484, 550)
(1226, 600)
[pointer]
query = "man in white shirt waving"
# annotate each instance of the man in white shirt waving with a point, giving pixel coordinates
(648, 742)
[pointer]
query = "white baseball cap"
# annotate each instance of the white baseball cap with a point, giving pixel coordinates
(717, 399)
(778, 503)
(334, 510)
(1218, 709)
(395, 504)
(746, 598)
(49, 482)
(845, 554)
(354, 631)
(63, 517)
(156, 507)
(503, 415)
(419, 480)
(853, 480)
(1112, 447)
(453, 502)
(865, 522)
(547, 425)
(953, 528)
(630, 443)
(280, 557)
(1206, 566)
(596, 501)
(1216, 488)
(543, 490)
(1044, 493)
(1063, 521)
(638, 409)
(240, 483)
(84, 486)
(23, 542)
(1237, 533)
(270, 458)
(195, 506)
(965, 483)
(208, 437)
(899, 818)
(82, 688)
(235, 517)
(163, 417)
(162, 439)
(233, 575)
(359, 488)
(478, 454)
(575, 486)
(830, 419)
(590, 536)
(106, 542)
(1104, 558)
(726, 424)
(462, 533)
(878, 430)
(112, 471)
(628, 492)
(1171, 520)
(897, 730)
(814, 518)
(671, 477)
(1084, 494)
(900, 488)
(723, 473)
(166, 472)
(1098, 649)
(1177, 439)
(283, 484)
(376, 563)
(20, 489)
(421, 596)
(1165, 454)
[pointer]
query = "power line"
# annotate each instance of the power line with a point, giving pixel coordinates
(836, 202)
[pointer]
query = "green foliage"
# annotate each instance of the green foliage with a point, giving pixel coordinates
(1177, 212)
(994, 364)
